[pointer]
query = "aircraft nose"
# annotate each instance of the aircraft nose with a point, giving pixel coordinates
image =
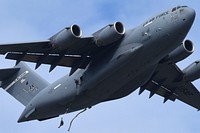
(189, 15)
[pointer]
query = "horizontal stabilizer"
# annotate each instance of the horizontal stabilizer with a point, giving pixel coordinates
(8, 72)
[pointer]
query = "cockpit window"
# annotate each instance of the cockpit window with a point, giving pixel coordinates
(184, 6)
(174, 9)
(178, 7)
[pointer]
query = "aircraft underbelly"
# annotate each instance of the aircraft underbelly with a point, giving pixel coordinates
(133, 83)
(123, 78)
(121, 83)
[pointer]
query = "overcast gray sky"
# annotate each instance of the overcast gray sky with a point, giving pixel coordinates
(28, 20)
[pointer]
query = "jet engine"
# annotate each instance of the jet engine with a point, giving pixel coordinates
(109, 34)
(66, 38)
(192, 72)
(181, 52)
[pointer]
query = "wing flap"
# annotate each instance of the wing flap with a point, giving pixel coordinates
(161, 91)
(67, 61)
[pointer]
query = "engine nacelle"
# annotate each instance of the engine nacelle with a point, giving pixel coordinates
(109, 34)
(182, 52)
(192, 72)
(66, 38)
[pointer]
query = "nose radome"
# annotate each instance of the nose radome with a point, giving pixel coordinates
(187, 19)
(190, 14)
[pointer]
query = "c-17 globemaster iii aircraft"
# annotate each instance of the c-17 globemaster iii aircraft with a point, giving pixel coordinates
(108, 65)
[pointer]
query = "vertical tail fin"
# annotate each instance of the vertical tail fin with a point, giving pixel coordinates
(22, 82)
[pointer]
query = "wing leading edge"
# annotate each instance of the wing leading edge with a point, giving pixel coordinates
(167, 81)
(31, 47)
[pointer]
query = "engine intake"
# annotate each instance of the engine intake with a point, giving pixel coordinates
(192, 72)
(109, 34)
(66, 37)
(182, 52)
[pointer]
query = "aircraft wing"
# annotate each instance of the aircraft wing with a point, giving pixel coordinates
(66, 48)
(67, 61)
(42, 52)
(167, 81)
(79, 48)
(36, 46)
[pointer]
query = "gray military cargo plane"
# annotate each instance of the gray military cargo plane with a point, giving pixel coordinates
(108, 65)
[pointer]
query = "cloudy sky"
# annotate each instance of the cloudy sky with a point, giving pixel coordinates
(28, 20)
